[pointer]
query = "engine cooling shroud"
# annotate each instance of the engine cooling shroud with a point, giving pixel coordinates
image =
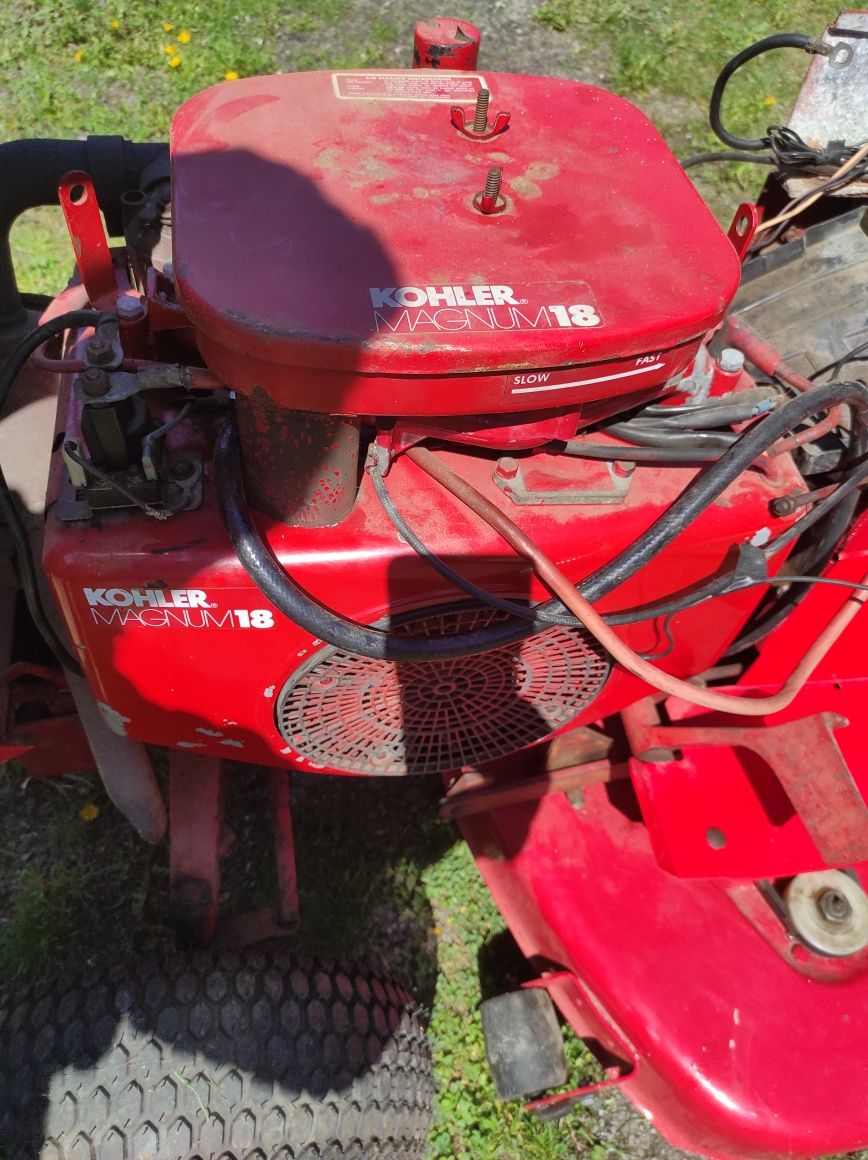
(379, 717)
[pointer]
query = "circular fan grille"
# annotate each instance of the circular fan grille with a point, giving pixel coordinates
(379, 717)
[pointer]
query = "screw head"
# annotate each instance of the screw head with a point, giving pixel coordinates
(623, 468)
(507, 467)
(94, 382)
(731, 360)
(129, 308)
(834, 907)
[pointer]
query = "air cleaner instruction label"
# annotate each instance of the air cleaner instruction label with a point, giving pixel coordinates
(446, 309)
(420, 85)
(169, 608)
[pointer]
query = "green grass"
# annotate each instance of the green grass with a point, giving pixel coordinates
(667, 56)
(377, 868)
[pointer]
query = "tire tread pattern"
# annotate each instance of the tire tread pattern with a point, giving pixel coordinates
(259, 1054)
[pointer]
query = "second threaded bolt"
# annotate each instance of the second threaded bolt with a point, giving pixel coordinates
(490, 201)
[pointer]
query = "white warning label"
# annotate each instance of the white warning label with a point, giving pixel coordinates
(419, 85)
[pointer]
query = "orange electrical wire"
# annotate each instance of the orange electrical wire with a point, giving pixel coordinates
(558, 583)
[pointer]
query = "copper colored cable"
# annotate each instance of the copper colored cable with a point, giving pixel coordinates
(558, 583)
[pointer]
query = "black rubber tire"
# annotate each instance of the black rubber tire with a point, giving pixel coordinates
(250, 1055)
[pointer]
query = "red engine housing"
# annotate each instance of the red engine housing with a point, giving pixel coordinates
(327, 248)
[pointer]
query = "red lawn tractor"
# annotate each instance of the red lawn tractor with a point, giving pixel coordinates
(426, 422)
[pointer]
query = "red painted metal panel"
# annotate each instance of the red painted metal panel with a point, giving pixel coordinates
(356, 209)
(203, 672)
(718, 1023)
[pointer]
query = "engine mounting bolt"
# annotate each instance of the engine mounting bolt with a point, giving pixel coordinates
(623, 468)
(129, 308)
(490, 201)
(834, 907)
(731, 360)
(507, 468)
(480, 117)
(94, 382)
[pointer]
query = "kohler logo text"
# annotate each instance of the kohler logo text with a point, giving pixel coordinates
(146, 598)
(442, 296)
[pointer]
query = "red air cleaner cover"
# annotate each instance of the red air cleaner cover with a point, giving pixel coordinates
(327, 248)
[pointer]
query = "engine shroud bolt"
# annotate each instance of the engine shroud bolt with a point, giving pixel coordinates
(490, 201)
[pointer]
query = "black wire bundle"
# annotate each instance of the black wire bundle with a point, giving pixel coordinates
(788, 151)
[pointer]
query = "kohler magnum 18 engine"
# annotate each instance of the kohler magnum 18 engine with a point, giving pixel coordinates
(367, 265)
(408, 434)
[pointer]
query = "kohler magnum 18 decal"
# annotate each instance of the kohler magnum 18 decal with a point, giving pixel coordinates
(538, 306)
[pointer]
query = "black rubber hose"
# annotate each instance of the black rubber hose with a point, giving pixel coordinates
(8, 511)
(834, 528)
(538, 612)
(31, 172)
(734, 155)
(767, 44)
(267, 573)
(523, 611)
(299, 606)
(612, 453)
(647, 436)
(703, 420)
(707, 487)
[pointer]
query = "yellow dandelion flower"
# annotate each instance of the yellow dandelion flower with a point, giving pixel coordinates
(770, 101)
(89, 813)
(78, 55)
(174, 61)
(170, 49)
(115, 24)
(230, 75)
(184, 36)
(168, 26)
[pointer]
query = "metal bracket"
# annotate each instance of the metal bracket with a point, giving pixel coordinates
(744, 226)
(87, 234)
(802, 754)
(511, 479)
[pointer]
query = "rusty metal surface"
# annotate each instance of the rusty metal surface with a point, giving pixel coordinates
(195, 840)
(462, 803)
(832, 105)
(446, 43)
(300, 468)
(280, 789)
